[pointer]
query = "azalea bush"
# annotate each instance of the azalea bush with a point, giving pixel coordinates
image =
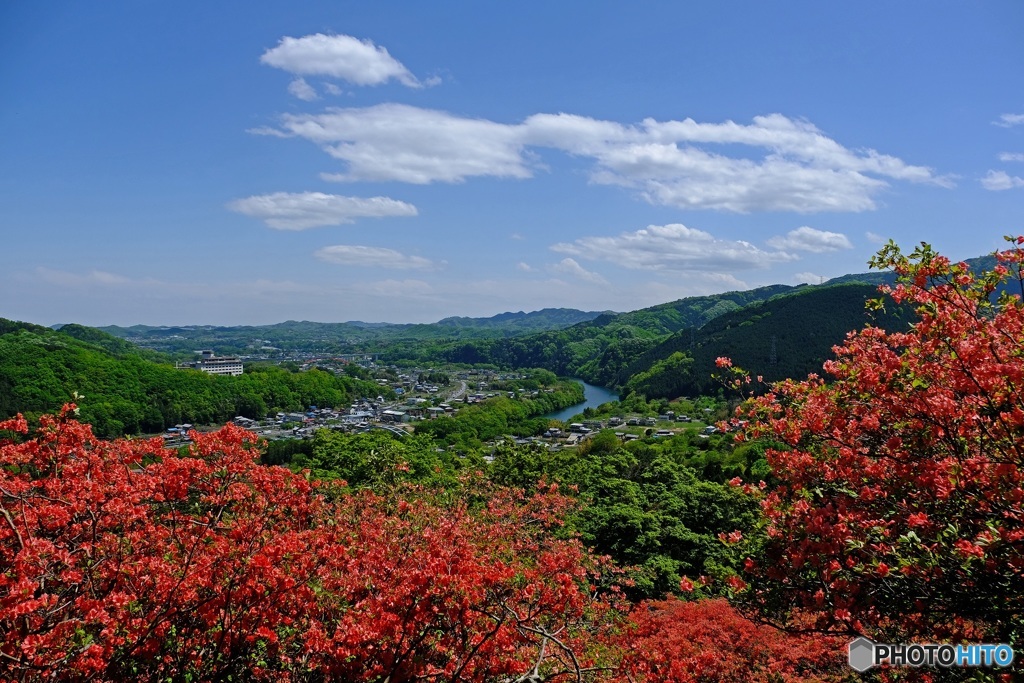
(899, 509)
(675, 641)
(125, 560)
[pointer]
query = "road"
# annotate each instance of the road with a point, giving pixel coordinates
(458, 392)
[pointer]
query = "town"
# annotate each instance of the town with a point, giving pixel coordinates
(408, 397)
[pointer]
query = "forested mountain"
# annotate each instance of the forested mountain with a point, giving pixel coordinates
(593, 350)
(122, 391)
(348, 337)
(108, 342)
(789, 335)
(521, 323)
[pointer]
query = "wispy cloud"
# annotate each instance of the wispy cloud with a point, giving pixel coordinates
(672, 247)
(93, 277)
(413, 290)
(359, 62)
(569, 266)
(679, 163)
(1001, 180)
(809, 239)
(303, 90)
(411, 145)
(875, 238)
(187, 301)
(373, 257)
(299, 211)
(1009, 120)
(808, 277)
(1011, 156)
(788, 164)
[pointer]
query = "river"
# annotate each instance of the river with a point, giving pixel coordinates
(592, 398)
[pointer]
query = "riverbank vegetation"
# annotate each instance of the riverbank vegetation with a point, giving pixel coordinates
(519, 415)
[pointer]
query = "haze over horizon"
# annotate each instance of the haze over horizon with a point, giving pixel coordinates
(230, 164)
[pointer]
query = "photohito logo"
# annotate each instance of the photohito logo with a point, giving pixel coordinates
(865, 654)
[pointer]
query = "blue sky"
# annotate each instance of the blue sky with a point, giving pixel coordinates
(255, 162)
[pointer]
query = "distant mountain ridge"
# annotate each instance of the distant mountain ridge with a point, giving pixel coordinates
(545, 317)
(776, 331)
(348, 337)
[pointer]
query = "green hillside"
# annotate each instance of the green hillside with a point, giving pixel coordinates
(123, 392)
(799, 327)
(595, 350)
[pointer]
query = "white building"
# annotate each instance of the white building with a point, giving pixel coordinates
(217, 365)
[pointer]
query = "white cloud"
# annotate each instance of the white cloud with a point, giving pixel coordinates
(569, 266)
(332, 89)
(809, 239)
(1008, 120)
(579, 135)
(673, 163)
(1000, 180)
(303, 90)
(1011, 156)
(875, 238)
(299, 211)
(339, 56)
(672, 247)
(411, 145)
(713, 283)
(809, 278)
(789, 165)
(694, 179)
(523, 266)
(374, 257)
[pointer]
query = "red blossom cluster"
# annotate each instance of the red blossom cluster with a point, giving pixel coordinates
(123, 560)
(900, 504)
(673, 641)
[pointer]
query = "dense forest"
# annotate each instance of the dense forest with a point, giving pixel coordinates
(790, 335)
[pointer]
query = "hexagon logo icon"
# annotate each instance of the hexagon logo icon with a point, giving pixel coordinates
(862, 654)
